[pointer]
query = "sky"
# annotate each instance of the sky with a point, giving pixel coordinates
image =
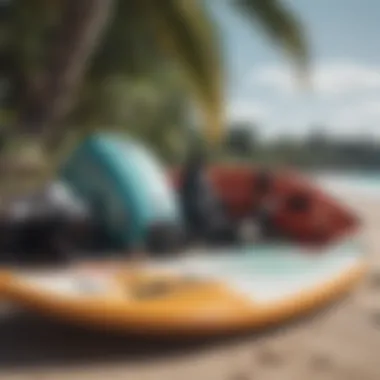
(344, 39)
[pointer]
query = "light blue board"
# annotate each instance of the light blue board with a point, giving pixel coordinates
(130, 183)
(268, 273)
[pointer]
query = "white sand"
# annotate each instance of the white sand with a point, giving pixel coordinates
(342, 343)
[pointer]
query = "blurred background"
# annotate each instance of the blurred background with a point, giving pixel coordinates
(275, 82)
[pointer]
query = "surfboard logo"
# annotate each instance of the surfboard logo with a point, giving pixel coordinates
(68, 284)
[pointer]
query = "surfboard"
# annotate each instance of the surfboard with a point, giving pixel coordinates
(137, 200)
(201, 293)
(125, 186)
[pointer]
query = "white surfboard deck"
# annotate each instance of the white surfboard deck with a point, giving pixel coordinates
(265, 273)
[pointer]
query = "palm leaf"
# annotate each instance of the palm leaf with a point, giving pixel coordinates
(186, 32)
(281, 25)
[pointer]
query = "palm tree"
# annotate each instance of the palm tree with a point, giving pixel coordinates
(128, 35)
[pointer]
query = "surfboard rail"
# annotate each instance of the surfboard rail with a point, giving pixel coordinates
(190, 297)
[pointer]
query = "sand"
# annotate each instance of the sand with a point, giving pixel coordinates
(342, 342)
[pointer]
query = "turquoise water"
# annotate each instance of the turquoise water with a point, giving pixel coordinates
(366, 183)
(363, 177)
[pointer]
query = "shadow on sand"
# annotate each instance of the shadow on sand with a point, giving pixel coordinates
(30, 342)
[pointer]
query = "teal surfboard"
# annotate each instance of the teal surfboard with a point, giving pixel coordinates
(124, 184)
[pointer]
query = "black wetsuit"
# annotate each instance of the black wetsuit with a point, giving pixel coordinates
(44, 227)
(205, 217)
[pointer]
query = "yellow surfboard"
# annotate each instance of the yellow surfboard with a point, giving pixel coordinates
(199, 294)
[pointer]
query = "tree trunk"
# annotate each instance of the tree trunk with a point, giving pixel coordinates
(76, 39)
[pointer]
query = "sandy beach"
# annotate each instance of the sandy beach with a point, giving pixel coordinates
(342, 342)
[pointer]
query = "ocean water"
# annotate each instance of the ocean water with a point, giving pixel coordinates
(363, 184)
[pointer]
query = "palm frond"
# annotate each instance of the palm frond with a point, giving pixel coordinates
(281, 25)
(186, 32)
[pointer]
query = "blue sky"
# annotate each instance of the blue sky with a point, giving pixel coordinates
(345, 44)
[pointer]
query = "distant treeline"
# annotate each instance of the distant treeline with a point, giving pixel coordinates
(316, 151)
(242, 143)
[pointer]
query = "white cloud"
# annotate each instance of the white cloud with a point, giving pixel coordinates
(328, 78)
(246, 110)
(297, 119)
(358, 117)
(347, 101)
